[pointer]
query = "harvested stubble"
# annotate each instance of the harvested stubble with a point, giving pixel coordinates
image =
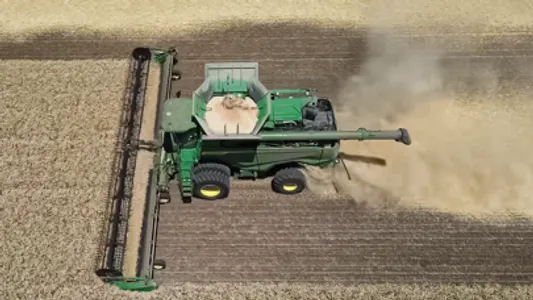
(285, 292)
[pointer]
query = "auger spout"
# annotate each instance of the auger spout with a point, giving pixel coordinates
(361, 134)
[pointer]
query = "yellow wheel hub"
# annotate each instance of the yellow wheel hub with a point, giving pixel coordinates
(290, 187)
(210, 191)
(157, 267)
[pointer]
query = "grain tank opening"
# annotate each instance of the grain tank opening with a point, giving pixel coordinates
(231, 100)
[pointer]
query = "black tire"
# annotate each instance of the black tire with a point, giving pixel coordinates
(176, 75)
(211, 166)
(289, 181)
(159, 264)
(210, 184)
(167, 143)
(105, 273)
(141, 53)
(164, 197)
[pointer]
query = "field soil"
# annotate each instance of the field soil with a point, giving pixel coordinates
(409, 224)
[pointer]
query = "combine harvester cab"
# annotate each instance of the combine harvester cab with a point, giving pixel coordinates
(234, 127)
(128, 253)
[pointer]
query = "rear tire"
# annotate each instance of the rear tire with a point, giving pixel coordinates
(210, 183)
(289, 181)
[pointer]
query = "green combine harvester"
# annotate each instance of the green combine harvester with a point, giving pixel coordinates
(203, 143)
(294, 128)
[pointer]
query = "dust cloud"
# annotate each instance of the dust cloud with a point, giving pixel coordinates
(471, 146)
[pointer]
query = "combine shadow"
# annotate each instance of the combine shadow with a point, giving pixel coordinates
(300, 55)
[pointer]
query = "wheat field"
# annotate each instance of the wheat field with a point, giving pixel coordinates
(59, 127)
(59, 123)
(159, 17)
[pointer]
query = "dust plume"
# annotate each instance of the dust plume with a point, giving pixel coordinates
(470, 150)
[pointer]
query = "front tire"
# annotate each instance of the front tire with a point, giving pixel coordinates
(210, 184)
(289, 181)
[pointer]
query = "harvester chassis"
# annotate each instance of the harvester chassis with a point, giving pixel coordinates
(295, 128)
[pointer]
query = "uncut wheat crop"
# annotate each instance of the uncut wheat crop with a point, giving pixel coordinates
(58, 129)
(160, 17)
